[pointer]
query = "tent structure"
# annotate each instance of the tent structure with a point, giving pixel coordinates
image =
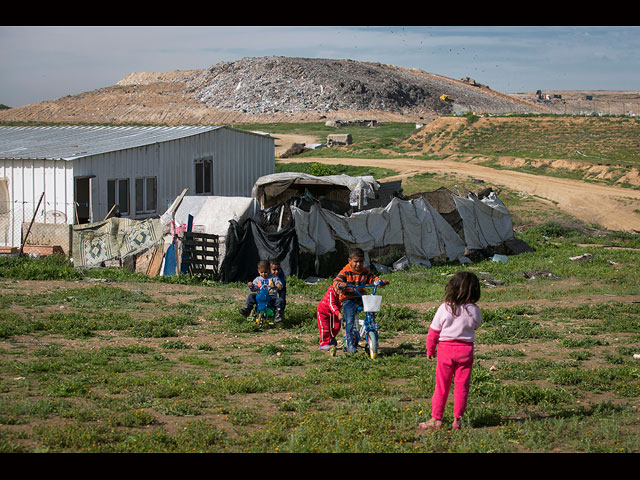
(272, 189)
(448, 230)
(414, 224)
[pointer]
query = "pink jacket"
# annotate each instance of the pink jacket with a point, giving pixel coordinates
(446, 327)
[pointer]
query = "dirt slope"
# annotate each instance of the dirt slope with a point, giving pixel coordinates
(272, 89)
(609, 206)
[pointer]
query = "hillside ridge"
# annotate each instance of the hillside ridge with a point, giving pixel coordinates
(273, 89)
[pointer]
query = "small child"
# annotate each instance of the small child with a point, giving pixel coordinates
(353, 273)
(276, 269)
(275, 285)
(452, 331)
(329, 317)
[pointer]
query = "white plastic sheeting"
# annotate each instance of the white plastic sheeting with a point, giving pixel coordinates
(211, 214)
(486, 222)
(415, 224)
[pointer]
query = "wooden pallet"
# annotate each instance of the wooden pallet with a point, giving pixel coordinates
(200, 251)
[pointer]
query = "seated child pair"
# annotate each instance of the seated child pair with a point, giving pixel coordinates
(268, 274)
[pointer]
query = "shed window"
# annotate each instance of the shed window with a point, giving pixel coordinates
(146, 195)
(204, 176)
(118, 194)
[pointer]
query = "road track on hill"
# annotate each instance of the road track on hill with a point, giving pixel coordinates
(608, 206)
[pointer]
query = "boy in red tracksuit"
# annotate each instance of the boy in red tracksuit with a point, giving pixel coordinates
(329, 318)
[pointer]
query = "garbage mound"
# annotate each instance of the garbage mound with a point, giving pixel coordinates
(268, 85)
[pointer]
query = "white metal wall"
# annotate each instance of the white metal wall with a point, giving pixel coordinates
(239, 159)
(26, 180)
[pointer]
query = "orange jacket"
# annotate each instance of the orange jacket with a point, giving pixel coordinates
(347, 275)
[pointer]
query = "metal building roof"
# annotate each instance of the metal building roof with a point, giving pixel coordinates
(71, 142)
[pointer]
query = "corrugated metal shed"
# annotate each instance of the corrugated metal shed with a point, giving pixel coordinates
(85, 170)
(72, 142)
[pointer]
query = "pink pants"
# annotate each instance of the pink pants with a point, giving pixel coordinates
(455, 359)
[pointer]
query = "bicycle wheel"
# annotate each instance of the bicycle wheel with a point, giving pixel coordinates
(260, 318)
(372, 341)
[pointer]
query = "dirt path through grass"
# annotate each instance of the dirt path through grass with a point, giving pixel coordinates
(611, 207)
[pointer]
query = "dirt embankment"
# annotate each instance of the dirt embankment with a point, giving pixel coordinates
(611, 207)
(442, 137)
(272, 89)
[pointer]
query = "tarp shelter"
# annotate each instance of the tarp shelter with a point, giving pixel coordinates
(248, 243)
(485, 222)
(414, 224)
(272, 189)
(211, 214)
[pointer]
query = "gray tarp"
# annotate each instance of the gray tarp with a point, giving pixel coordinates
(415, 224)
(486, 222)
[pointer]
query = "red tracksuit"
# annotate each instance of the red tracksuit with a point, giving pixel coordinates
(327, 314)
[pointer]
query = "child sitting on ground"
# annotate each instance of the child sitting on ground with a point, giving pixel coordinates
(274, 284)
(329, 317)
(353, 273)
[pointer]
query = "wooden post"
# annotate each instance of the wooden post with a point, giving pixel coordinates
(24, 240)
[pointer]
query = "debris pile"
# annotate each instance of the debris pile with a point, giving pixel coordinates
(268, 85)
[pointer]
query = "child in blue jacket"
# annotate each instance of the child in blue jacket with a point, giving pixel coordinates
(275, 285)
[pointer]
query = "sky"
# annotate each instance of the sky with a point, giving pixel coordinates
(48, 62)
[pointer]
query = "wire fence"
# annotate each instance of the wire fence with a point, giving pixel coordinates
(33, 227)
(598, 107)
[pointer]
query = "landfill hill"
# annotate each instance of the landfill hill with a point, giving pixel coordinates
(274, 89)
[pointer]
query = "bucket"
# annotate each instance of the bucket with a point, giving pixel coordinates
(371, 303)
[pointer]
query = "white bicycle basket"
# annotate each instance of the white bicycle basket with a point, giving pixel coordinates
(371, 303)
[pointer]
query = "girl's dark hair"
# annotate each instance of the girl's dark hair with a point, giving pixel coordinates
(464, 287)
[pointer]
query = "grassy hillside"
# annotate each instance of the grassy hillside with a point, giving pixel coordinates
(606, 140)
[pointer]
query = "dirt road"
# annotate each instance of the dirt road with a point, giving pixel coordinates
(611, 207)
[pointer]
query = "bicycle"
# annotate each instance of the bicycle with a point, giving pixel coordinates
(368, 325)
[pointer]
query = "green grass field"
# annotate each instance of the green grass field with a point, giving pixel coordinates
(134, 365)
(104, 361)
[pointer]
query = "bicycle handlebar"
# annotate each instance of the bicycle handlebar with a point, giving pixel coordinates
(374, 285)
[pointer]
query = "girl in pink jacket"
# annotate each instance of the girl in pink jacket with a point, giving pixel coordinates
(452, 332)
(329, 318)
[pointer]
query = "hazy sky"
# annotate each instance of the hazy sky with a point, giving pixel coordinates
(44, 63)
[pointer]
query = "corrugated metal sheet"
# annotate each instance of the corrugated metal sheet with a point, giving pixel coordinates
(54, 159)
(71, 142)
